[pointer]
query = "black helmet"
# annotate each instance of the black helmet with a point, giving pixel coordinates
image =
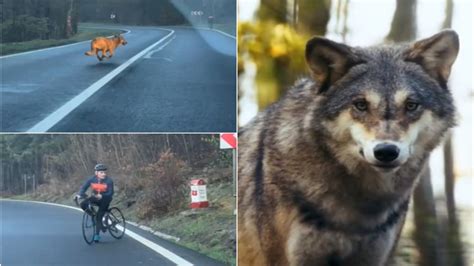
(100, 167)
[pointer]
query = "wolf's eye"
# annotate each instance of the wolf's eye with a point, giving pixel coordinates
(361, 105)
(411, 106)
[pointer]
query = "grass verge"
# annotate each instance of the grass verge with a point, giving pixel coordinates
(209, 231)
(83, 34)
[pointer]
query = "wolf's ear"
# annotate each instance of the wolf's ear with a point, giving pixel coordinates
(329, 61)
(436, 54)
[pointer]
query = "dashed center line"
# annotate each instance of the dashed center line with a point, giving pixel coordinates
(150, 54)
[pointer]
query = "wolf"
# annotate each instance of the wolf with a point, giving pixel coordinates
(326, 173)
(104, 45)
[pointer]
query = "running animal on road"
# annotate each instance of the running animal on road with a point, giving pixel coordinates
(104, 45)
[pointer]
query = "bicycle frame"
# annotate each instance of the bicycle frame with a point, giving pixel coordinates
(113, 217)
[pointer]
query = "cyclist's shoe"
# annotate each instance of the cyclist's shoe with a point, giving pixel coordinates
(104, 229)
(96, 238)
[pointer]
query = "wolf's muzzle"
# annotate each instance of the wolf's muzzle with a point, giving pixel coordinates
(386, 153)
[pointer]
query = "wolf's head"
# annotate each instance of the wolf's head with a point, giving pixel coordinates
(120, 39)
(383, 106)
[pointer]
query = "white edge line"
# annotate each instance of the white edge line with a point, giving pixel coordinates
(226, 34)
(160, 234)
(204, 28)
(157, 233)
(155, 247)
(166, 253)
(52, 119)
(149, 54)
(61, 46)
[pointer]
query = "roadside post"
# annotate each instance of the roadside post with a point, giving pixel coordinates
(229, 141)
(198, 194)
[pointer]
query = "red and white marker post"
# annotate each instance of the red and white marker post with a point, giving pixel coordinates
(229, 141)
(198, 194)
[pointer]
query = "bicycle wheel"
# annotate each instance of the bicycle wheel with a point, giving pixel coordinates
(115, 222)
(88, 228)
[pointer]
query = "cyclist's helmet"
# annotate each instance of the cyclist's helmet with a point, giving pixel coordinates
(100, 167)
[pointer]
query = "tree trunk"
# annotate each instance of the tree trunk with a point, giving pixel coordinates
(449, 180)
(426, 224)
(114, 146)
(69, 20)
(449, 14)
(403, 26)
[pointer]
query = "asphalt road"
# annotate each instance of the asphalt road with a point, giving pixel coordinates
(40, 234)
(187, 83)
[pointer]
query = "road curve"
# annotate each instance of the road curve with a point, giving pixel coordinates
(187, 83)
(41, 234)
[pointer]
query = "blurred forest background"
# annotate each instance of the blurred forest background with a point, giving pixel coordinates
(26, 20)
(151, 174)
(272, 35)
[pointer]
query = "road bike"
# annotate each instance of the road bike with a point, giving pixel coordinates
(112, 221)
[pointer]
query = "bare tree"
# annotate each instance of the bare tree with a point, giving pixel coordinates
(427, 231)
(403, 26)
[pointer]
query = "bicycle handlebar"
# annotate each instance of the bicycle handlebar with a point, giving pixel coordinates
(76, 198)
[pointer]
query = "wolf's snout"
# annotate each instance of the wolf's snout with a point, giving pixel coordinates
(386, 153)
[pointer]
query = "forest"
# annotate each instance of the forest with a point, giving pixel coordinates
(25, 20)
(156, 165)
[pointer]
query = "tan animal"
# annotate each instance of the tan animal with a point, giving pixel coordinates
(326, 173)
(104, 45)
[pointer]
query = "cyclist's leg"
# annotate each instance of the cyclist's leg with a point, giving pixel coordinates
(103, 207)
(107, 201)
(85, 205)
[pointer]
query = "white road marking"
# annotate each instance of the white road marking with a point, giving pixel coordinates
(223, 33)
(149, 54)
(155, 247)
(157, 233)
(160, 58)
(159, 249)
(166, 59)
(52, 119)
(61, 46)
(208, 29)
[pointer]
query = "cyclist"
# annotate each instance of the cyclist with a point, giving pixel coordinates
(102, 192)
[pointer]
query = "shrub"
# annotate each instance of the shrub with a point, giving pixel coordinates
(24, 28)
(160, 186)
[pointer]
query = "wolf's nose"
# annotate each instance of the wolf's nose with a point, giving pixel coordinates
(386, 152)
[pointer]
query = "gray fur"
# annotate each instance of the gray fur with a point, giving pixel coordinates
(300, 202)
